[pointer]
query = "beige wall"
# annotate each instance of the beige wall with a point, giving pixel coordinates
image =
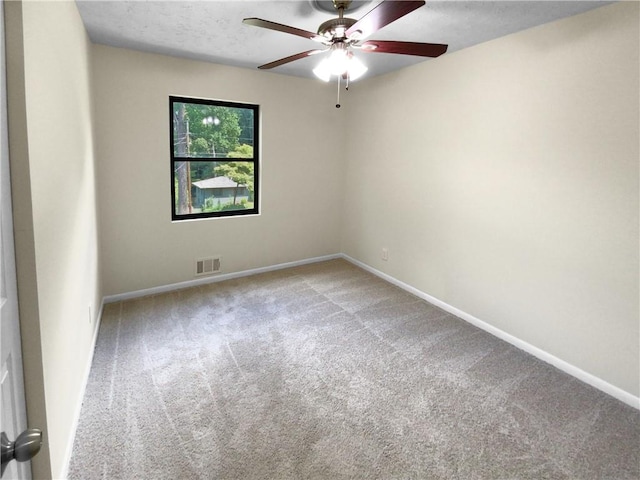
(302, 170)
(503, 179)
(51, 149)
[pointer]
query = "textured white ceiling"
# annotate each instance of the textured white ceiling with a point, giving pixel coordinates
(212, 30)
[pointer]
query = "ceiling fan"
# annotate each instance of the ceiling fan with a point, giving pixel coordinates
(342, 35)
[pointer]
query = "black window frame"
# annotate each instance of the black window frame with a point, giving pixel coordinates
(176, 159)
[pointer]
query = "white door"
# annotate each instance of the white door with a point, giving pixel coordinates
(13, 417)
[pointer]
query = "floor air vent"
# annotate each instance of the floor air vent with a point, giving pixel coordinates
(207, 266)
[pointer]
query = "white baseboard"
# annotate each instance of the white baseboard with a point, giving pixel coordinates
(217, 278)
(85, 380)
(566, 367)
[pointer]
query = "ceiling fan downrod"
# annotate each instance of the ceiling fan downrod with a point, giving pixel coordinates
(341, 6)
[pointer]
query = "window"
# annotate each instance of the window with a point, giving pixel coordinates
(214, 158)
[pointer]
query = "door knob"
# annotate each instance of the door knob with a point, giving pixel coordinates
(24, 448)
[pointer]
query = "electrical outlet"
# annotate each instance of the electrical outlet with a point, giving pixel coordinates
(385, 254)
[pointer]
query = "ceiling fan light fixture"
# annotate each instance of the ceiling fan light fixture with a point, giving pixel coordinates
(323, 70)
(339, 59)
(339, 63)
(356, 68)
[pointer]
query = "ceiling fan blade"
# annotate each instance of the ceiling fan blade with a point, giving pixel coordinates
(292, 58)
(404, 48)
(385, 13)
(258, 22)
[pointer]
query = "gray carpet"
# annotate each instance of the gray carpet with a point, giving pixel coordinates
(325, 371)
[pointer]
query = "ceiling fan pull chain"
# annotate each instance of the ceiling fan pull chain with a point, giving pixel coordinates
(338, 104)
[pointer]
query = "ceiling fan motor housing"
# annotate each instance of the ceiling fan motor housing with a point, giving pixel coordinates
(335, 28)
